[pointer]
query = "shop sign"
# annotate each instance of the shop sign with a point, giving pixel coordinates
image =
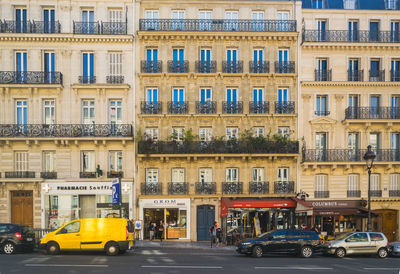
(335, 204)
(80, 188)
(164, 203)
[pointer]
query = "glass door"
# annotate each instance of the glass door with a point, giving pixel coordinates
(205, 20)
(374, 106)
(353, 31)
(205, 60)
(258, 21)
(321, 146)
(353, 146)
(321, 28)
(21, 115)
(21, 20)
(88, 25)
(374, 32)
(49, 21)
(49, 67)
(395, 31)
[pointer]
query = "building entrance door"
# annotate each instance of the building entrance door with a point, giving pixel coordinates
(22, 207)
(388, 224)
(205, 219)
(87, 204)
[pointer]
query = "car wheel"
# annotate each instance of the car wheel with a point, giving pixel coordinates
(340, 252)
(112, 249)
(8, 248)
(53, 248)
(306, 252)
(382, 253)
(257, 252)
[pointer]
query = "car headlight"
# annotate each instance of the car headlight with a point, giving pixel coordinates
(246, 244)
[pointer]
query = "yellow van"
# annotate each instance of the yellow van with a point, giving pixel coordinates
(113, 235)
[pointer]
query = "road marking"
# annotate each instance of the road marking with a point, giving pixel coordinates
(381, 268)
(168, 260)
(67, 265)
(293, 267)
(99, 260)
(182, 266)
(151, 260)
(35, 260)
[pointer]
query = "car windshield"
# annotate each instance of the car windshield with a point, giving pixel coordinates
(265, 234)
(342, 236)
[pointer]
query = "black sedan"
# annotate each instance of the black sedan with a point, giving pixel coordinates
(15, 238)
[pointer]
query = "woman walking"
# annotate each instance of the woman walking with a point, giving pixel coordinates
(160, 230)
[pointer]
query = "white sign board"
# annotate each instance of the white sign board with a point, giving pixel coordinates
(164, 203)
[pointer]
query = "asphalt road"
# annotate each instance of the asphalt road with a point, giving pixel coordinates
(174, 261)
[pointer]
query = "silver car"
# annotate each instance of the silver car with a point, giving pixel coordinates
(394, 248)
(358, 243)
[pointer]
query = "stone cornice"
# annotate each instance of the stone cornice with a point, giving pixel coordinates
(348, 84)
(66, 38)
(349, 46)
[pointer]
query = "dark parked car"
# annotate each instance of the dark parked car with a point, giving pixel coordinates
(15, 238)
(299, 242)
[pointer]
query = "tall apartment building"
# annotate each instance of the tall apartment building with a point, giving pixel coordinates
(212, 77)
(350, 95)
(66, 109)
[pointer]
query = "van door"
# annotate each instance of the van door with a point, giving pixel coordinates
(69, 236)
(93, 231)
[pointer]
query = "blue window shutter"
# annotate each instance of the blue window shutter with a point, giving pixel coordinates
(53, 62)
(91, 16)
(208, 94)
(91, 65)
(260, 99)
(254, 95)
(228, 55)
(208, 55)
(25, 65)
(155, 95)
(202, 55)
(202, 95)
(175, 95)
(148, 55)
(279, 95)
(234, 52)
(260, 55)
(46, 62)
(84, 16)
(181, 57)
(181, 91)
(234, 95)
(174, 55)
(52, 16)
(148, 95)
(24, 16)
(25, 114)
(46, 16)
(228, 95)
(85, 64)
(155, 55)
(18, 62)
(19, 114)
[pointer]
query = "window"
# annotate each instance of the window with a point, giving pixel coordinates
(353, 30)
(49, 67)
(258, 95)
(284, 17)
(151, 14)
(258, 21)
(49, 20)
(115, 160)
(115, 112)
(178, 175)
(205, 20)
(115, 15)
(395, 69)
(88, 112)
(151, 175)
(284, 132)
(205, 175)
(374, 141)
(205, 95)
(177, 134)
(178, 22)
(353, 141)
(354, 73)
(205, 134)
(376, 237)
(349, 4)
(49, 112)
(321, 73)
(320, 141)
(232, 23)
(258, 131)
(49, 161)
(374, 31)
(87, 68)
(115, 63)
(317, 4)
(321, 28)
(391, 4)
(71, 228)
(151, 22)
(283, 96)
(88, 25)
(232, 133)
(151, 95)
(375, 184)
(322, 105)
(283, 174)
(358, 237)
(21, 20)
(395, 31)
(395, 142)
(394, 182)
(321, 183)
(21, 66)
(88, 163)
(353, 185)
(258, 174)
(21, 161)
(374, 70)
(21, 112)
(232, 175)
(151, 133)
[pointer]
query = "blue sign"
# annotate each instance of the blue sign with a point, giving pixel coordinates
(116, 191)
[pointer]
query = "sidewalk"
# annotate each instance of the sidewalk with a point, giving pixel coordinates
(181, 244)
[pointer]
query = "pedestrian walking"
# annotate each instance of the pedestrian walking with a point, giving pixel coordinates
(213, 233)
(219, 236)
(152, 228)
(160, 230)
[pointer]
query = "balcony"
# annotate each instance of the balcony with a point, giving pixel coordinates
(285, 67)
(208, 107)
(31, 77)
(232, 66)
(206, 66)
(283, 187)
(178, 66)
(217, 25)
(321, 194)
(151, 107)
(322, 112)
(377, 75)
(115, 79)
(151, 67)
(395, 76)
(10, 26)
(355, 75)
(151, 188)
(65, 130)
(353, 193)
(115, 174)
(372, 113)
(257, 107)
(218, 147)
(232, 107)
(178, 107)
(87, 174)
(357, 36)
(258, 187)
(323, 75)
(259, 66)
(48, 175)
(114, 28)
(287, 107)
(87, 79)
(376, 193)
(104, 28)
(232, 187)
(175, 188)
(349, 155)
(19, 174)
(206, 188)
(394, 193)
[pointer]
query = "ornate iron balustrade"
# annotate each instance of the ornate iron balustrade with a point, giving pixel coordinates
(377, 75)
(87, 174)
(321, 194)
(218, 147)
(349, 155)
(394, 193)
(106, 28)
(206, 188)
(151, 107)
(258, 187)
(113, 28)
(356, 36)
(322, 113)
(259, 66)
(151, 66)
(286, 107)
(206, 66)
(66, 130)
(175, 188)
(355, 75)
(208, 107)
(178, 107)
(353, 193)
(232, 187)
(217, 25)
(48, 175)
(11, 26)
(87, 79)
(285, 67)
(30, 77)
(19, 174)
(395, 76)
(87, 27)
(115, 174)
(46, 27)
(372, 113)
(151, 188)
(232, 66)
(323, 75)
(283, 187)
(258, 107)
(376, 193)
(178, 66)
(115, 79)
(232, 107)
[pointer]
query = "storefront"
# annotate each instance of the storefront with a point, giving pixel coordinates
(63, 202)
(175, 213)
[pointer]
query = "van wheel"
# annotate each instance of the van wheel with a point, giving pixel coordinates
(112, 249)
(340, 252)
(8, 248)
(306, 252)
(53, 248)
(257, 252)
(382, 253)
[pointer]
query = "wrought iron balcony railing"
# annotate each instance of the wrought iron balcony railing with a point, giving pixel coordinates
(285, 67)
(151, 188)
(114, 28)
(218, 147)
(217, 25)
(115, 79)
(322, 112)
(258, 187)
(356, 36)
(232, 107)
(232, 66)
(178, 188)
(107, 28)
(232, 187)
(372, 113)
(355, 75)
(259, 66)
(10, 26)
(349, 155)
(353, 193)
(31, 77)
(377, 75)
(323, 75)
(19, 174)
(286, 107)
(178, 107)
(395, 75)
(258, 107)
(178, 66)
(209, 107)
(206, 66)
(87, 79)
(115, 174)
(48, 175)
(87, 174)
(376, 193)
(394, 193)
(283, 187)
(66, 130)
(151, 67)
(206, 188)
(321, 194)
(46, 27)
(151, 107)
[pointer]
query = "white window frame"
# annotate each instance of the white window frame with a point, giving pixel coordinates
(232, 174)
(205, 134)
(152, 175)
(49, 105)
(115, 15)
(115, 105)
(91, 158)
(375, 182)
(21, 162)
(283, 174)
(177, 175)
(258, 174)
(49, 161)
(205, 175)
(258, 131)
(180, 131)
(321, 182)
(394, 182)
(115, 63)
(353, 182)
(284, 131)
(232, 133)
(151, 133)
(88, 104)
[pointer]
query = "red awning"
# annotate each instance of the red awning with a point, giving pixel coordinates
(242, 203)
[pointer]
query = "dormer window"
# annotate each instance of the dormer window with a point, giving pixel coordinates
(391, 4)
(317, 4)
(350, 4)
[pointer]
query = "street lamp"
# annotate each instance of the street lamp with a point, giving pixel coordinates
(369, 157)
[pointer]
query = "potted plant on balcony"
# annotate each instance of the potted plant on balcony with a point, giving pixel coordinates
(188, 141)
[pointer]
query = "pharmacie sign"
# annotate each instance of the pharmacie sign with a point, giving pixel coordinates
(77, 188)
